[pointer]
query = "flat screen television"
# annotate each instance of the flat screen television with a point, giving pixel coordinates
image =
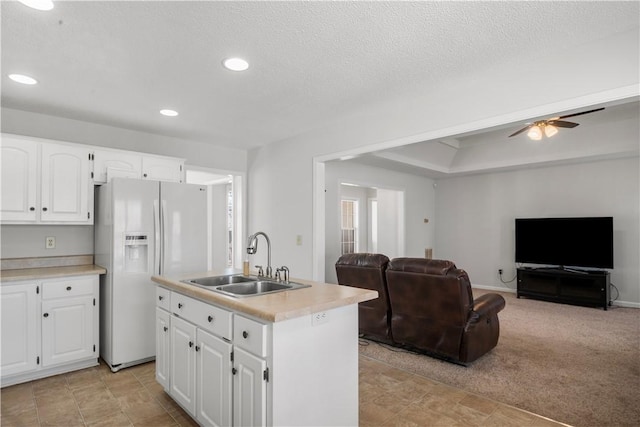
(565, 242)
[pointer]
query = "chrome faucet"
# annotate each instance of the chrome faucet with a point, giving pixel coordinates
(285, 274)
(252, 248)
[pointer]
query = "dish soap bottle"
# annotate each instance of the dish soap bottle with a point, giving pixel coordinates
(245, 267)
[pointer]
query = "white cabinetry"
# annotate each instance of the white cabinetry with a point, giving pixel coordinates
(65, 184)
(183, 364)
(199, 356)
(296, 372)
(69, 317)
(162, 168)
(19, 179)
(49, 326)
(19, 314)
(250, 372)
(108, 164)
(45, 182)
(163, 337)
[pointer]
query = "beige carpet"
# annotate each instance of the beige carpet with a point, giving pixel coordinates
(576, 365)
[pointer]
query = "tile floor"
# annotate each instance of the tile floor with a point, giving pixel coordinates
(131, 397)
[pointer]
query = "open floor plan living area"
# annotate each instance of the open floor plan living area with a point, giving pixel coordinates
(319, 213)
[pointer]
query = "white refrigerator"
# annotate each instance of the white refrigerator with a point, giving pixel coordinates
(143, 228)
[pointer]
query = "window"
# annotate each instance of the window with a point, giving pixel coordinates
(349, 226)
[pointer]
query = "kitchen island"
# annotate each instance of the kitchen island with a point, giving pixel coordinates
(286, 358)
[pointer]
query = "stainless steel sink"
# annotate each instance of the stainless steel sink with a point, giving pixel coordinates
(220, 280)
(240, 286)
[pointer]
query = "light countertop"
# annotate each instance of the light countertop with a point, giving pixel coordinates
(50, 272)
(277, 306)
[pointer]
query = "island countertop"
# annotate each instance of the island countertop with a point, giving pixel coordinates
(277, 306)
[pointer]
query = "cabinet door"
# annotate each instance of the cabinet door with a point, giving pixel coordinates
(65, 184)
(183, 364)
(162, 169)
(68, 330)
(19, 179)
(213, 380)
(249, 390)
(108, 164)
(19, 316)
(163, 322)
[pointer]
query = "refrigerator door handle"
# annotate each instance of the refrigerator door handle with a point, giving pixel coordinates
(156, 232)
(165, 236)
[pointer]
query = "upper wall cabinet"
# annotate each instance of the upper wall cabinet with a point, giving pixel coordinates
(109, 164)
(65, 184)
(19, 176)
(162, 168)
(45, 182)
(117, 163)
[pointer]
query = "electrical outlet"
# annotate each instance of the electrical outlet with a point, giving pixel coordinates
(319, 318)
(50, 242)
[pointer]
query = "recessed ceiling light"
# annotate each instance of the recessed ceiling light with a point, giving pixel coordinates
(21, 78)
(235, 64)
(38, 4)
(169, 113)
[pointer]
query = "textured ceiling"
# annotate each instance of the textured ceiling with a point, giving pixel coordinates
(118, 63)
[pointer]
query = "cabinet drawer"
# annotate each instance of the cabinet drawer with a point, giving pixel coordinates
(250, 335)
(69, 287)
(206, 316)
(163, 298)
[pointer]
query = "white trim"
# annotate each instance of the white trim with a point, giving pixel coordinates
(318, 221)
(625, 93)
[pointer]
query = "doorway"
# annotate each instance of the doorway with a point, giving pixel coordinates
(225, 224)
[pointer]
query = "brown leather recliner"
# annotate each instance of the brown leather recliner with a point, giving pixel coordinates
(433, 311)
(367, 271)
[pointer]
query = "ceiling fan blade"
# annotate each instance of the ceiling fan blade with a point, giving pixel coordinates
(562, 124)
(521, 130)
(581, 113)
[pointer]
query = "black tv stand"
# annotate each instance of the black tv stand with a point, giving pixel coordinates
(580, 287)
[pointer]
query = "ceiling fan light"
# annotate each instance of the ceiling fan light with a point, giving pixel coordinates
(550, 130)
(535, 133)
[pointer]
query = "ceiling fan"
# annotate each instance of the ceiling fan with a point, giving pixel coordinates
(550, 126)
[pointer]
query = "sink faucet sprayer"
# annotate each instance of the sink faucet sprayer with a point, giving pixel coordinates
(252, 248)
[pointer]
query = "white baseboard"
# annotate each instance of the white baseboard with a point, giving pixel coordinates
(493, 288)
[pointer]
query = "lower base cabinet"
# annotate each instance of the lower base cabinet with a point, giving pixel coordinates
(249, 390)
(49, 327)
(213, 380)
(229, 369)
(20, 331)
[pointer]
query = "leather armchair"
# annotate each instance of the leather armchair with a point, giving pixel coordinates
(433, 310)
(367, 271)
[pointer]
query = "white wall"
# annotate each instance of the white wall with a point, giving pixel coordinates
(26, 241)
(219, 229)
(475, 216)
(281, 174)
(418, 200)
(391, 223)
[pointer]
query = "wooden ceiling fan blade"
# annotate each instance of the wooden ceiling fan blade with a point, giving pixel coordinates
(581, 113)
(562, 124)
(520, 131)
